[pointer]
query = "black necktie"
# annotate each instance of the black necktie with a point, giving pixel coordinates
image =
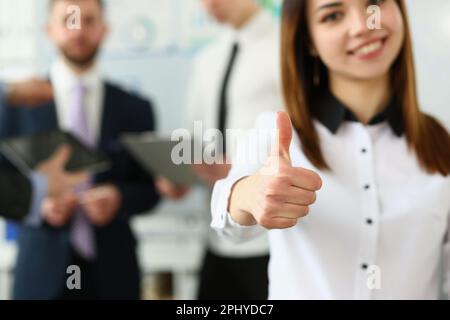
(223, 103)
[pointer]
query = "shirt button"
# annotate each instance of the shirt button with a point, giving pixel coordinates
(364, 266)
(367, 187)
(364, 150)
(369, 221)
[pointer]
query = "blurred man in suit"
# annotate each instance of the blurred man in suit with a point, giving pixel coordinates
(234, 79)
(93, 231)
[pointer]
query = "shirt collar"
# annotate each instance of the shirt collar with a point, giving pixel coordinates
(332, 113)
(65, 79)
(256, 26)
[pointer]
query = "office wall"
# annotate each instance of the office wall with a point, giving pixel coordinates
(152, 43)
(430, 22)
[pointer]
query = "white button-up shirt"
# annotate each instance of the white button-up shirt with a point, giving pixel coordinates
(254, 87)
(378, 230)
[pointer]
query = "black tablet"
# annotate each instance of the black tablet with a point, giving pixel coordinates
(26, 152)
(154, 153)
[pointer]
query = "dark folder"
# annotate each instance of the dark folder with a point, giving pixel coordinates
(26, 152)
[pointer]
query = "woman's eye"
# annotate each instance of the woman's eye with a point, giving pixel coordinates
(375, 2)
(333, 17)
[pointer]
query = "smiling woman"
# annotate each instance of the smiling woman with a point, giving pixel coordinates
(334, 35)
(369, 170)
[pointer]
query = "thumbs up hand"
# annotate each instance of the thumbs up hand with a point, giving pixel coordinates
(278, 194)
(279, 154)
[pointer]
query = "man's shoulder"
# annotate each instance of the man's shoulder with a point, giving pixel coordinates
(135, 111)
(119, 93)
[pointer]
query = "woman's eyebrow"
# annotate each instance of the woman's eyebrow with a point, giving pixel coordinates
(329, 5)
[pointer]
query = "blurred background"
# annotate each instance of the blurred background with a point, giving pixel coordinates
(150, 50)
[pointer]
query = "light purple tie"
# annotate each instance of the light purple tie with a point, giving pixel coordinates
(81, 233)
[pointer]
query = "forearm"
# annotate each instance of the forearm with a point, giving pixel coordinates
(39, 192)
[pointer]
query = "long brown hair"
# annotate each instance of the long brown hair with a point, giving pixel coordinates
(425, 135)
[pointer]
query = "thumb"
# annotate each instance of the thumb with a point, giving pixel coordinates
(61, 156)
(77, 178)
(284, 136)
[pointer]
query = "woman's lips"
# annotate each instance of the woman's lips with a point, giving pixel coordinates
(374, 46)
(370, 50)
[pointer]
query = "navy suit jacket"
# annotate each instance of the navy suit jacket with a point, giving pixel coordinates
(15, 195)
(44, 251)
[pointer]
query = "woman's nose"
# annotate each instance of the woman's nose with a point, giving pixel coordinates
(358, 20)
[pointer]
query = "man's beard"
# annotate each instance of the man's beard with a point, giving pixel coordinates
(80, 61)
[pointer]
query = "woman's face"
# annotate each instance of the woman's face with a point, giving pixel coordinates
(343, 38)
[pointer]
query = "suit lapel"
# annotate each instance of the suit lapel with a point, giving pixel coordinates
(108, 118)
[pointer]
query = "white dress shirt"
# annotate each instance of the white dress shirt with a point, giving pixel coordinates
(377, 207)
(64, 81)
(254, 87)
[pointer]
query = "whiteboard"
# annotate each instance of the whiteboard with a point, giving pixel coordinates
(18, 42)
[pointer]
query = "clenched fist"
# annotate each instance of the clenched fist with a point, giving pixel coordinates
(57, 212)
(278, 194)
(101, 204)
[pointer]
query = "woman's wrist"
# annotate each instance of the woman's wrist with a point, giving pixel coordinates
(239, 206)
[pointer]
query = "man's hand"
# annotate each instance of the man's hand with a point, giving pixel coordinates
(210, 173)
(60, 182)
(169, 190)
(58, 211)
(101, 204)
(30, 93)
(278, 194)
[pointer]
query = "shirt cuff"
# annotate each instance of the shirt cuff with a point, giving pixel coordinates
(3, 88)
(39, 185)
(222, 221)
